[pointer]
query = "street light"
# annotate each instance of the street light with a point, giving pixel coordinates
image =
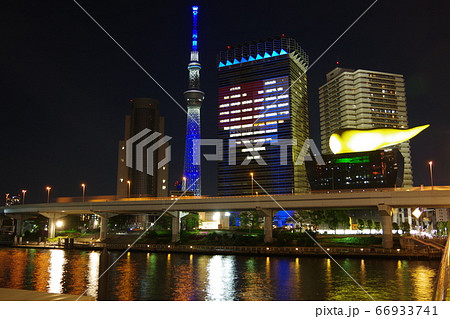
(129, 188)
(24, 191)
(84, 190)
(48, 188)
(183, 185)
(431, 173)
(251, 174)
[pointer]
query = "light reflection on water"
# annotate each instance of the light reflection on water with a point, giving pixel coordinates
(159, 276)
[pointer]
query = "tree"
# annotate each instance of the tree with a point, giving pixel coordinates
(190, 221)
(344, 220)
(405, 227)
(369, 225)
(361, 224)
(332, 219)
(249, 219)
(300, 217)
(395, 227)
(316, 217)
(378, 226)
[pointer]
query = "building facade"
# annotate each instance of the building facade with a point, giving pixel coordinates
(375, 169)
(364, 99)
(130, 181)
(262, 99)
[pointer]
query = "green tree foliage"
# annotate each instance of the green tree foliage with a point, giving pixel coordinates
(369, 225)
(190, 221)
(164, 223)
(344, 220)
(395, 227)
(249, 220)
(378, 226)
(361, 224)
(405, 227)
(332, 219)
(316, 218)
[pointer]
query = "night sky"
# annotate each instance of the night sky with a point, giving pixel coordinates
(65, 86)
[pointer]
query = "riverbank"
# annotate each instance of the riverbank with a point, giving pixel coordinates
(424, 253)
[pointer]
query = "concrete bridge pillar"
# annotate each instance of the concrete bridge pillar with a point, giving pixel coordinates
(52, 219)
(176, 223)
(386, 225)
(268, 225)
(18, 223)
(104, 217)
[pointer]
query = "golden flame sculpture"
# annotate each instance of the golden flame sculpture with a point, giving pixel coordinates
(353, 140)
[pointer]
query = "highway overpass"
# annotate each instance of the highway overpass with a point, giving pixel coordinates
(385, 200)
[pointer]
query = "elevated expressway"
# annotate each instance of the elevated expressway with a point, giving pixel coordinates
(385, 200)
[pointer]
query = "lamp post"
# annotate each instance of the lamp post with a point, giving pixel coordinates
(84, 190)
(183, 185)
(129, 188)
(48, 188)
(24, 192)
(431, 173)
(251, 175)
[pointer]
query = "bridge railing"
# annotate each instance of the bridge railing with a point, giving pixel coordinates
(442, 284)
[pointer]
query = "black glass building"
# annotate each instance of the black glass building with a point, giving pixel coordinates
(375, 169)
(262, 99)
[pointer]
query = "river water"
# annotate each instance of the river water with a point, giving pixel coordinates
(163, 276)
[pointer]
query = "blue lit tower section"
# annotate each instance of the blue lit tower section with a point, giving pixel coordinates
(194, 99)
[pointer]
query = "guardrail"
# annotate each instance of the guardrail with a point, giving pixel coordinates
(442, 285)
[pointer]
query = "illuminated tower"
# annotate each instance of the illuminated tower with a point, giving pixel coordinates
(194, 98)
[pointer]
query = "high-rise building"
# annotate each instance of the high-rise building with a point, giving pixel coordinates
(364, 99)
(130, 181)
(262, 99)
(194, 99)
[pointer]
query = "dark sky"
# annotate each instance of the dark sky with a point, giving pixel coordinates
(65, 86)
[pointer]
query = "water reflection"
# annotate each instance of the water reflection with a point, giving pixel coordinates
(93, 273)
(221, 274)
(56, 271)
(158, 276)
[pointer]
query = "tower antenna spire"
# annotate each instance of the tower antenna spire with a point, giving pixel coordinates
(194, 28)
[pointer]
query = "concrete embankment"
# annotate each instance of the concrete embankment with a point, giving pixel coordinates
(356, 252)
